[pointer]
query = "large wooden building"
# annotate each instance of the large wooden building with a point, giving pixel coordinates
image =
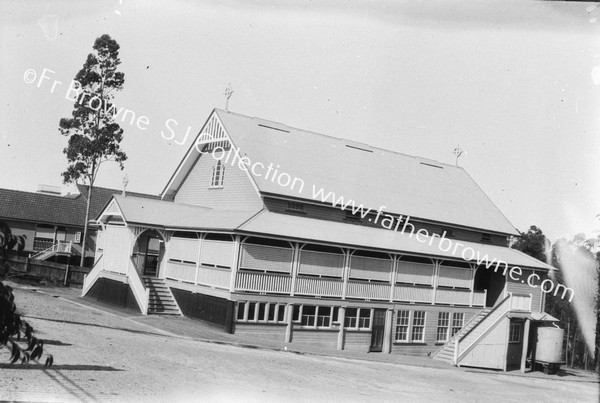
(264, 230)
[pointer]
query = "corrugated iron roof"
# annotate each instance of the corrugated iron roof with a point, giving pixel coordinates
(358, 236)
(42, 208)
(181, 216)
(372, 176)
(171, 215)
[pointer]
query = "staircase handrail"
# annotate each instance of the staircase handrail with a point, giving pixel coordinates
(43, 252)
(140, 292)
(453, 338)
(55, 247)
(90, 278)
(504, 306)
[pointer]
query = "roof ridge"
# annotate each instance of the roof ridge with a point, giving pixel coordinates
(339, 138)
(56, 196)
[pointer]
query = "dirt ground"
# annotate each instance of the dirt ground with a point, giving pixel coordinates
(101, 355)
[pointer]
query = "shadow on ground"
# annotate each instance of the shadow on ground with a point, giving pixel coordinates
(95, 325)
(66, 367)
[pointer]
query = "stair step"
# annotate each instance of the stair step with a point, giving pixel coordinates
(157, 298)
(163, 304)
(158, 288)
(161, 300)
(160, 292)
(167, 307)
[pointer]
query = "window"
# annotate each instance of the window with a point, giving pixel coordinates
(309, 313)
(442, 326)
(260, 312)
(271, 313)
(364, 318)
(458, 319)
(514, 335)
(410, 326)
(350, 319)
(44, 237)
(241, 310)
(448, 325)
(280, 312)
(218, 175)
(295, 207)
(486, 237)
(296, 313)
(418, 329)
(402, 326)
(357, 318)
(324, 316)
(314, 316)
(251, 311)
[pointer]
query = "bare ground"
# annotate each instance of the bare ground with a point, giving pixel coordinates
(101, 355)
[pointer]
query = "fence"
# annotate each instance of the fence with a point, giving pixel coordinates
(68, 275)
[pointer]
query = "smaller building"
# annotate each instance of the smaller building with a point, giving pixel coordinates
(52, 223)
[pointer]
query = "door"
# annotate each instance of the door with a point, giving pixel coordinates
(378, 330)
(152, 255)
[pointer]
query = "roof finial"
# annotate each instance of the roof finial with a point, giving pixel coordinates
(227, 93)
(457, 153)
(125, 182)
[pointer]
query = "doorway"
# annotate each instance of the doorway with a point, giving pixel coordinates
(493, 282)
(148, 252)
(378, 331)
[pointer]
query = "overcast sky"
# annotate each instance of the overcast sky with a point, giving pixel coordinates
(512, 83)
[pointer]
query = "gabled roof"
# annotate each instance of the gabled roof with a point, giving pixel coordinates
(404, 184)
(169, 215)
(101, 196)
(42, 208)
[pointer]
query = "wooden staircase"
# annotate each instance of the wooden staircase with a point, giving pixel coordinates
(161, 300)
(446, 352)
(60, 248)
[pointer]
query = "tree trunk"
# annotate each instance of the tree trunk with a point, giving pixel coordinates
(567, 343)
(85, 224)
(573, 347)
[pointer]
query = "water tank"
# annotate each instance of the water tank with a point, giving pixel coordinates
(549, 344)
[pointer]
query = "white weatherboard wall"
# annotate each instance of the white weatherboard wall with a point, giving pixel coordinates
(117, 249)
(237, 192)
(491, 350)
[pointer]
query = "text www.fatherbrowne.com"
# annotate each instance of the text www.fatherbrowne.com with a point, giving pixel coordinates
(401, 223)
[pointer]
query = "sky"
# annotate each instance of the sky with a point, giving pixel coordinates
(515, 84)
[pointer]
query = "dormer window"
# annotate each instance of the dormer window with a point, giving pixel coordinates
(295, 207)
(218, 175)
